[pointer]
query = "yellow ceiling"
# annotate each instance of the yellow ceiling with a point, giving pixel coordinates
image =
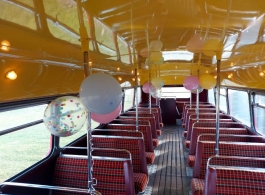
(46, 53)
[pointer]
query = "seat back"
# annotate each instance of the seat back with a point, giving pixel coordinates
(148, 117)
(205, 149)
(112, 170)
(145, 129)
(196, 131)
(193, 121)
(135, 145)
(235, 176)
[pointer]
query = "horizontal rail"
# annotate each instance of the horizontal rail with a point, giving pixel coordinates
(68, 189)
(6, 131)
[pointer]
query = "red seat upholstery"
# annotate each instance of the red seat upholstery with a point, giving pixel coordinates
(113, 176)
(155, 142)
(196, 131)
(191, 160)
(205, 149)
(159, 132)
(143, 126)
(150, 157)
(139, 180)
(193, 121)
(187, 144)
(197, 186)
(149, 117)
(235, 175)
(135, 145)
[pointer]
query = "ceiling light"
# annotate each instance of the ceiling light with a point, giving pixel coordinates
(119, 78)
(5, 45)
(12, 75)
(118, 69)
(261, 74)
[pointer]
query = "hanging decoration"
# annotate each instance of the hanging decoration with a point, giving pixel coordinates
(100, 93)
(147, 87)
(207, 81)
(194, 91)
(106, 118)
(157, 82)
(65, 116)
(195, 44)
(191, 82)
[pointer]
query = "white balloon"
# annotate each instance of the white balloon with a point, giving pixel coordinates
(65, 116)
(100, 93)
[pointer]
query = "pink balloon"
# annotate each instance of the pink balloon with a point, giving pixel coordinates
(191, 82)
(147, 87)
(105, 118)
(195, 44)
(144, 52)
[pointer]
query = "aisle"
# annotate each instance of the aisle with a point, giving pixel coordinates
(167, 176)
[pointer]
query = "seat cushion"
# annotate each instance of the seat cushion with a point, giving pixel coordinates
(197, 186)
(185, 133)
(187, 144)
(191, 160)
(155, 142)
(150, 157)
(140, 182)
(159, 132)
(183, 125)
(161, 124)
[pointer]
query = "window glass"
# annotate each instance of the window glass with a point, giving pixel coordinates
(63, 20)
(124, 51)
(67, 140)
(211, 98)
(27, 2)
(175, 92)
(259, 114)
(105, 50)
(104, 35)
(139, 94)
(21, 116)
(223, 105)
(23, 148)
(239, 105)
(16, 10)
(128, 98)
(260, 99)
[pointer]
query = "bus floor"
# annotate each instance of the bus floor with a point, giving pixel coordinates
(170, 175)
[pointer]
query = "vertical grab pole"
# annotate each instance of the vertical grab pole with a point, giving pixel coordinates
(217, 107)
(197, 105)
(150, 97)
(136, 100)
(135, 65)
(190, 99)
(87, 70)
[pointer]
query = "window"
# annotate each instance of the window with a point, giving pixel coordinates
(23, 148)
(16, 10)
(222, 100)
(62, 20)
(124, 51)
(211, 97)
(128, 98)
(259, 114)
(175, 92)
(21, 116)
(177, 55)
(239, 105)
(105, 40)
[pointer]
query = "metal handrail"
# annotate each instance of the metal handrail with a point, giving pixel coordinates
(13, 129)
